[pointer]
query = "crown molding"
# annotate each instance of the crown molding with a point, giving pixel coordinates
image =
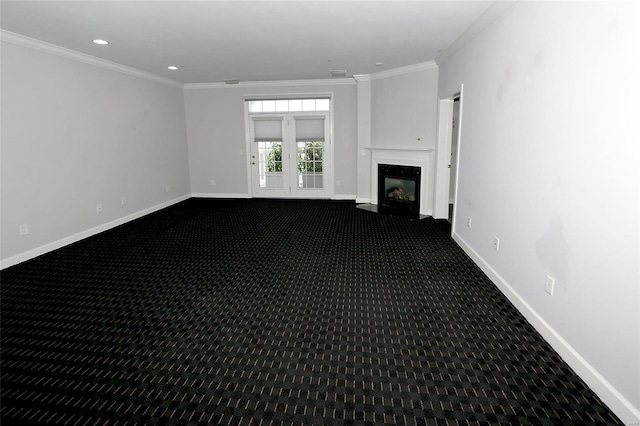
(362, 77)
(491, 13)
(20, 40)
(404, 70)
(30, 43)
(276, 83)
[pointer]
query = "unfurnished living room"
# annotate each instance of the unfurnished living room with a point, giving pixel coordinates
(319, 212)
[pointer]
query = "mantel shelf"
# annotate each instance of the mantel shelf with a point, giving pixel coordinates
(404, 149)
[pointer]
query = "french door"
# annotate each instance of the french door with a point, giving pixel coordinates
(290, 155)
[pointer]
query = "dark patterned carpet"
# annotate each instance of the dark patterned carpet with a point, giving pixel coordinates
(274, 312)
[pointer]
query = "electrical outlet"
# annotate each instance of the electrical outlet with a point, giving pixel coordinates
(24, 229)
(496, 243)
(549, 284)
(338, 183)
(167, 188)
(123, 200)
(98, 208)
(213, 182)
(468, 222)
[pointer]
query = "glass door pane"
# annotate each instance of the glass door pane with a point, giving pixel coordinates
(270, 164)
(310, 154)
(310, 136)
(268, 152)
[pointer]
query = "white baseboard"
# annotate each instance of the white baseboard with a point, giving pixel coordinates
(363, 200)
(22, 257)
(224, 195)
(343, 197)
(621, 406)
(218, 195)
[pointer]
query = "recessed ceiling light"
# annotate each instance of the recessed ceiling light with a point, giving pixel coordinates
(172, 67)
(100, 41)
(378, 64)
(338, 73)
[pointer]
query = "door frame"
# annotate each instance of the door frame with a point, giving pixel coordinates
(327, 156)
(255, 161)
(443, 156)
(288, 133)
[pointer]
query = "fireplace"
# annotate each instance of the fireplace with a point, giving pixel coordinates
(415, 158)
(399, 190)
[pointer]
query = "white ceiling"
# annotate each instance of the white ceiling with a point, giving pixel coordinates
(248, 40)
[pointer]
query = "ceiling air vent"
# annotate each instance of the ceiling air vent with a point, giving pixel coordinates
(338, 73)
(231, 81)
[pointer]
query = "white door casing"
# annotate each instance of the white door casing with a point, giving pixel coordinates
(443, 155)
(290, 155)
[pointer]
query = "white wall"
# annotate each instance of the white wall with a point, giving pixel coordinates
(217, 137)
(75, 135)
(549, 160)
(404, 108)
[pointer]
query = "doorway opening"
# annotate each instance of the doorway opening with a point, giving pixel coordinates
(447, 156)
(453, 162)
(290, 147)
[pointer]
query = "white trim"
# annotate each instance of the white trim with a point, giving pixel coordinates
(332, 152)
(218, 195)
(286, 96)
(278, 83)
(318, 82)
(443, 158)
(621, 407)
(407, 150)
(349, 197)
(62, 52)
(73, 55)
(403, 70)
(362, 77)
(490, 14)
(363, 200)
(49, 247)
(417, 157)
(247, 148)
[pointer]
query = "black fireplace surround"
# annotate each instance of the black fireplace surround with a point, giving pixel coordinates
(399, 190)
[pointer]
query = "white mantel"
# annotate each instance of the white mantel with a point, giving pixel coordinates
(415, 157)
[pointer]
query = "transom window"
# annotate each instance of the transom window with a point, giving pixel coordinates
(289, 105)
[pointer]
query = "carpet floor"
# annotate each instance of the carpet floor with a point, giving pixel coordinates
(274, 312)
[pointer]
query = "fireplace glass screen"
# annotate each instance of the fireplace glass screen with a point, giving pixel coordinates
(399, 189)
